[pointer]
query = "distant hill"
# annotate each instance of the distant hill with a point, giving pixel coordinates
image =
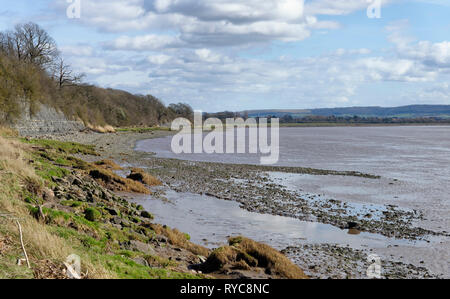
(412, 111)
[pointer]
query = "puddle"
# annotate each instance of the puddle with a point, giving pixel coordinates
(210, 221)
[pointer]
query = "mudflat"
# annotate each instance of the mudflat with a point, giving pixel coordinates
(268, 190)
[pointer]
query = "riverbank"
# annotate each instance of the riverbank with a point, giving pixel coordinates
(253, 188)
(70, 207)
(329, 124)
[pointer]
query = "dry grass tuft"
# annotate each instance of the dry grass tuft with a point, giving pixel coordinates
(141, 176)
(243, 253)
(109, 164)
(179, 239)
(47, 269)
(8, 132)
(16, 175)
(102, 129)
(114, 182)
(268, 258)
(13, 159)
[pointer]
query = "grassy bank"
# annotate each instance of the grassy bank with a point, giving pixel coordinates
(142, 129)
(28, 172)
(68, 206)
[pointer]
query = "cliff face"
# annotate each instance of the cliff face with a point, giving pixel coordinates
(47, 120)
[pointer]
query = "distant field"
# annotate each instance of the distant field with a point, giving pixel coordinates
(412, 111)
(359, 124)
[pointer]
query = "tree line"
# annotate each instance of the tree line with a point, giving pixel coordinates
(33, 69)
(355, 119)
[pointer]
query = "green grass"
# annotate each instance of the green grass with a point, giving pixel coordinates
(55, 159)
(143, 130)
(97, 243)
(47, 170)
(120, 262)
(128, 269)
(64, 147)
(10, 270)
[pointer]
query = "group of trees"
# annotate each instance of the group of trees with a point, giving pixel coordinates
(289, 119)
(332, 119)
(32, 68)
(31, 44)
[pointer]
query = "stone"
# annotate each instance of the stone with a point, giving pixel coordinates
(112, 211)
(46, 120)
(162, 239)
(146, 214)
(141, 261)
(116, 220)
(135, 245)
(48, 194)
(77, 182)
(351, 225)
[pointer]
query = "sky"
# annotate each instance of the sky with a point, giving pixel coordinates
(238, 55)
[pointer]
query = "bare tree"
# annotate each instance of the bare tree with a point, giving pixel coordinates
(11, 45)
(31, 42)
(64, 75)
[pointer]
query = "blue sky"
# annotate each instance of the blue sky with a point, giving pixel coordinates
(236, 55)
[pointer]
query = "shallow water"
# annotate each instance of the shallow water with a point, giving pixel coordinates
(413, 161)
(211, 221)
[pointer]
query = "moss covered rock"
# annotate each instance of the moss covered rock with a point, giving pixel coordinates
(92, 214)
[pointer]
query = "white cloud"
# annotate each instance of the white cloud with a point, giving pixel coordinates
(433, 54)
(158, 59)
(144, 42)
(235, 11)
(186, 50)
(78, 50)
(203, 23)
(334, 7)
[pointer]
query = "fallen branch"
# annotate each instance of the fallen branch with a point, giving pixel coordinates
(21, 243)
(9, 217)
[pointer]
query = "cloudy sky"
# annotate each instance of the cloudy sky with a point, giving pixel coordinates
(252, 54)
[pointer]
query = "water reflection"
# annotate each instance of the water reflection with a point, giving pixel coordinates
(210, 221)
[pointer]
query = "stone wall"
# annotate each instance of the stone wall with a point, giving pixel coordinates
(46, 121)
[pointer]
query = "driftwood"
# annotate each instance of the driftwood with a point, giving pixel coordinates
(8, 216)
(41, 214)
(21, 243)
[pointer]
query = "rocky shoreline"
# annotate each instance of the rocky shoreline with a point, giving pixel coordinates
(253, 188)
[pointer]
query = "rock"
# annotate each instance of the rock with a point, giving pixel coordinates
(125, 223)
(141, 261)
(59, 180)
(77, 182)
(112, 211)
(146, 214)
(162, 239)
(48, 194)
(97, 192)
(135, 245)
(351, 225)
(92, 214)
(116, 220)
(47, 120)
